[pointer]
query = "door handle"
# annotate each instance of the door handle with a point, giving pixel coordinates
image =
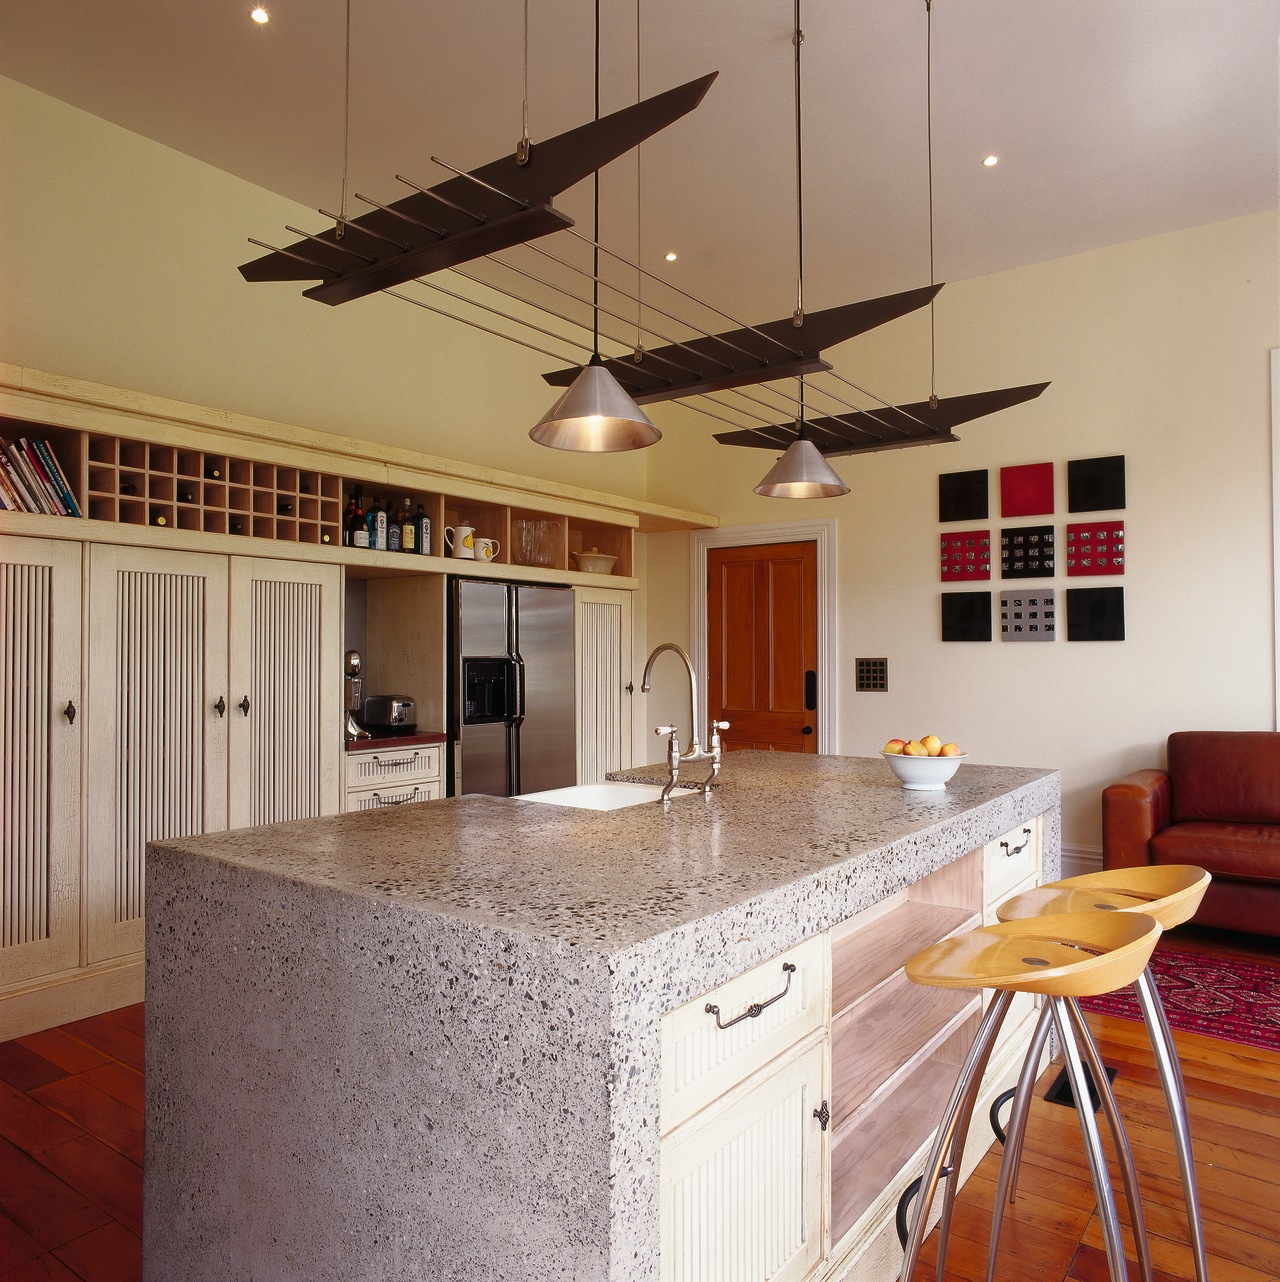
(244, 705)
(807, 730)
(220, 707)
(810, 690)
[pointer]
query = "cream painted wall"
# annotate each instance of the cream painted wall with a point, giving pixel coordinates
(118, 264)
(1157, 350)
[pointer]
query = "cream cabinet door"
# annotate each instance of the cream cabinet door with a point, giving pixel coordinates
(41, 721)
(157, 740)
(742, 1181)
(285, 722)
(602, 653)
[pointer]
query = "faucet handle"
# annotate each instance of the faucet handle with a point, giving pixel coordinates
(661, 730)
(719, 725)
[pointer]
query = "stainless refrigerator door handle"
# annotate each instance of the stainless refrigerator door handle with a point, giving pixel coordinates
(517, 664)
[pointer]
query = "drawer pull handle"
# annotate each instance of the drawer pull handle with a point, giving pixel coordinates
(379, 800)
(755, 1008)
(823, 1115)
(1017, 850)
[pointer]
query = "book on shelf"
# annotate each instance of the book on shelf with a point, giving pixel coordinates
(57, 476)
(47, 495)
(21, 482)
(32, 479)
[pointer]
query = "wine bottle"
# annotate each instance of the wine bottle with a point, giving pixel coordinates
(408, 534)
(422, 532)
(359, 525)
(186, 496)
(158, 517)
(212, 472)
(284, 507)
(348, 519)
(128, 488)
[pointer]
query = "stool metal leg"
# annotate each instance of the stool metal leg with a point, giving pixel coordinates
(1092, 1142)
(975, 1064)
(1175, 1094)
(1014, 1133)
(1124, 1154)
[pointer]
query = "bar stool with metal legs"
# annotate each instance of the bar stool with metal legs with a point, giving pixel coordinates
(1171, 894)
(1060, 956)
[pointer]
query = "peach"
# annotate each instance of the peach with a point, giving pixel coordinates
(894, 747)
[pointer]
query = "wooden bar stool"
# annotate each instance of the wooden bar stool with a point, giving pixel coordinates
(1060, 956)
(1171, 894)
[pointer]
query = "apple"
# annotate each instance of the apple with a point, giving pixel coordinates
(894, 746)
(951, 750)
(931, 744)
(915, 749)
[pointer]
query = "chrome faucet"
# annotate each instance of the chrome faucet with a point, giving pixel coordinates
(695, 751)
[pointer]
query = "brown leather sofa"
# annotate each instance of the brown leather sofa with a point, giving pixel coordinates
(1217, 805)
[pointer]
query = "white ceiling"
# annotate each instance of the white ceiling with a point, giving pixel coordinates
(1113, 119)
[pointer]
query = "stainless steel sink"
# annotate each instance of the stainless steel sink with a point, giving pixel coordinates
(604, 796)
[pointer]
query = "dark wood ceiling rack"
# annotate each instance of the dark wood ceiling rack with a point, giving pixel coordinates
(470, 215)
(890, 428)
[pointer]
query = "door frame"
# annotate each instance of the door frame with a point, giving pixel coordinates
(822, 532)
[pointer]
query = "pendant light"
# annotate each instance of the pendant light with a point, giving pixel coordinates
(595, 415)
(802, 472)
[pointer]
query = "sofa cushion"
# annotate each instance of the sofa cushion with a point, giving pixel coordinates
(1247, 851)
(1229, 776)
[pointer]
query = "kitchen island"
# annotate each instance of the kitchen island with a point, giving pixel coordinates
(428, 1042)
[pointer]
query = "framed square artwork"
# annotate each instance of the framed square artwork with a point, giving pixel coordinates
(966, 554)
(1095, 614)
(1095, 484)
(1028, 614)
(962, 496)
(966, 616)
(1026, 490)
(1095, 548)
(1026, 552)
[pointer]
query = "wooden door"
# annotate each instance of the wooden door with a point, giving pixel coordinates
(741, 1183)
(41, 720)
(762, 645)
(157, 741)
(285, 669)
(602, 645)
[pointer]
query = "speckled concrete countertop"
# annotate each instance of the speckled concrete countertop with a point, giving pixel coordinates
(455, 1007)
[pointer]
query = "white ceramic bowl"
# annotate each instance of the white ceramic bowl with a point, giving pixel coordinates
(923, 774)
(593, 562)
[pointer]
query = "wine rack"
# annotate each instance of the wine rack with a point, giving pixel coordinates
(141, 483)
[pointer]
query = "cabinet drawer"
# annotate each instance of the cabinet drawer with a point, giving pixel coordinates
(394, 795)
(1011, 859)
(397, 766)
(706, 1052)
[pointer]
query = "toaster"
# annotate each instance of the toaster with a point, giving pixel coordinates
(390, 712)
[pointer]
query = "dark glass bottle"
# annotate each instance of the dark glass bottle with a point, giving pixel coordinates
(212, 471)
(348, 518)
(359, 525)
(422, 532)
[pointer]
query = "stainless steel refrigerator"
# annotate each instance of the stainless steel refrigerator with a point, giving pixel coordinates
(511, 705)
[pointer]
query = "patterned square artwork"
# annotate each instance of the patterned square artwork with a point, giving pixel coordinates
(1026, 552)
(966, 554)
(1026, 490)
(1028, 615)
(1095, 548)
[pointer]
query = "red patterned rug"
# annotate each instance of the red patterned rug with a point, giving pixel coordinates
(1225, 997)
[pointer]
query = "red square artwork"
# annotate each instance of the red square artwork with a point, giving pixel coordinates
(1095, 548)
(1026, 490)
(966, 554)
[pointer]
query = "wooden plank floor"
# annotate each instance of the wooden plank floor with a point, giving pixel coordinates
(71, 1161)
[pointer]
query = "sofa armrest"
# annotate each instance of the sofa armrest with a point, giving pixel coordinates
(1134, 809)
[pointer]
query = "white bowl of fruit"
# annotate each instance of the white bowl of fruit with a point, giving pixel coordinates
(923, 765)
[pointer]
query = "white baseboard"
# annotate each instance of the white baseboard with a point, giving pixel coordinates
(1080, 859)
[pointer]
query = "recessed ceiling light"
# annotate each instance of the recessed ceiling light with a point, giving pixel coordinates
(991, 161)
(671, 256)
(259, 14)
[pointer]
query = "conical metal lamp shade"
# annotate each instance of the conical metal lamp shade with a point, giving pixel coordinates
(802, 473)
(595, 416)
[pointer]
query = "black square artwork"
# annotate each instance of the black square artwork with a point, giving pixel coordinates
(1095, 484)
(1026, 552)
(1095, 614)
(962, 496)
(966, 616)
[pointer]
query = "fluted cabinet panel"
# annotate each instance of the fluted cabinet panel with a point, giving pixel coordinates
(39, 757)
(742, 1182)
(285, 719)
(157, 665)
(603, 657)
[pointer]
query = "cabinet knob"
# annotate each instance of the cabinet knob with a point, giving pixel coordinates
(823, 1115)
(220, 707)
(70, 713)
(244, 705)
